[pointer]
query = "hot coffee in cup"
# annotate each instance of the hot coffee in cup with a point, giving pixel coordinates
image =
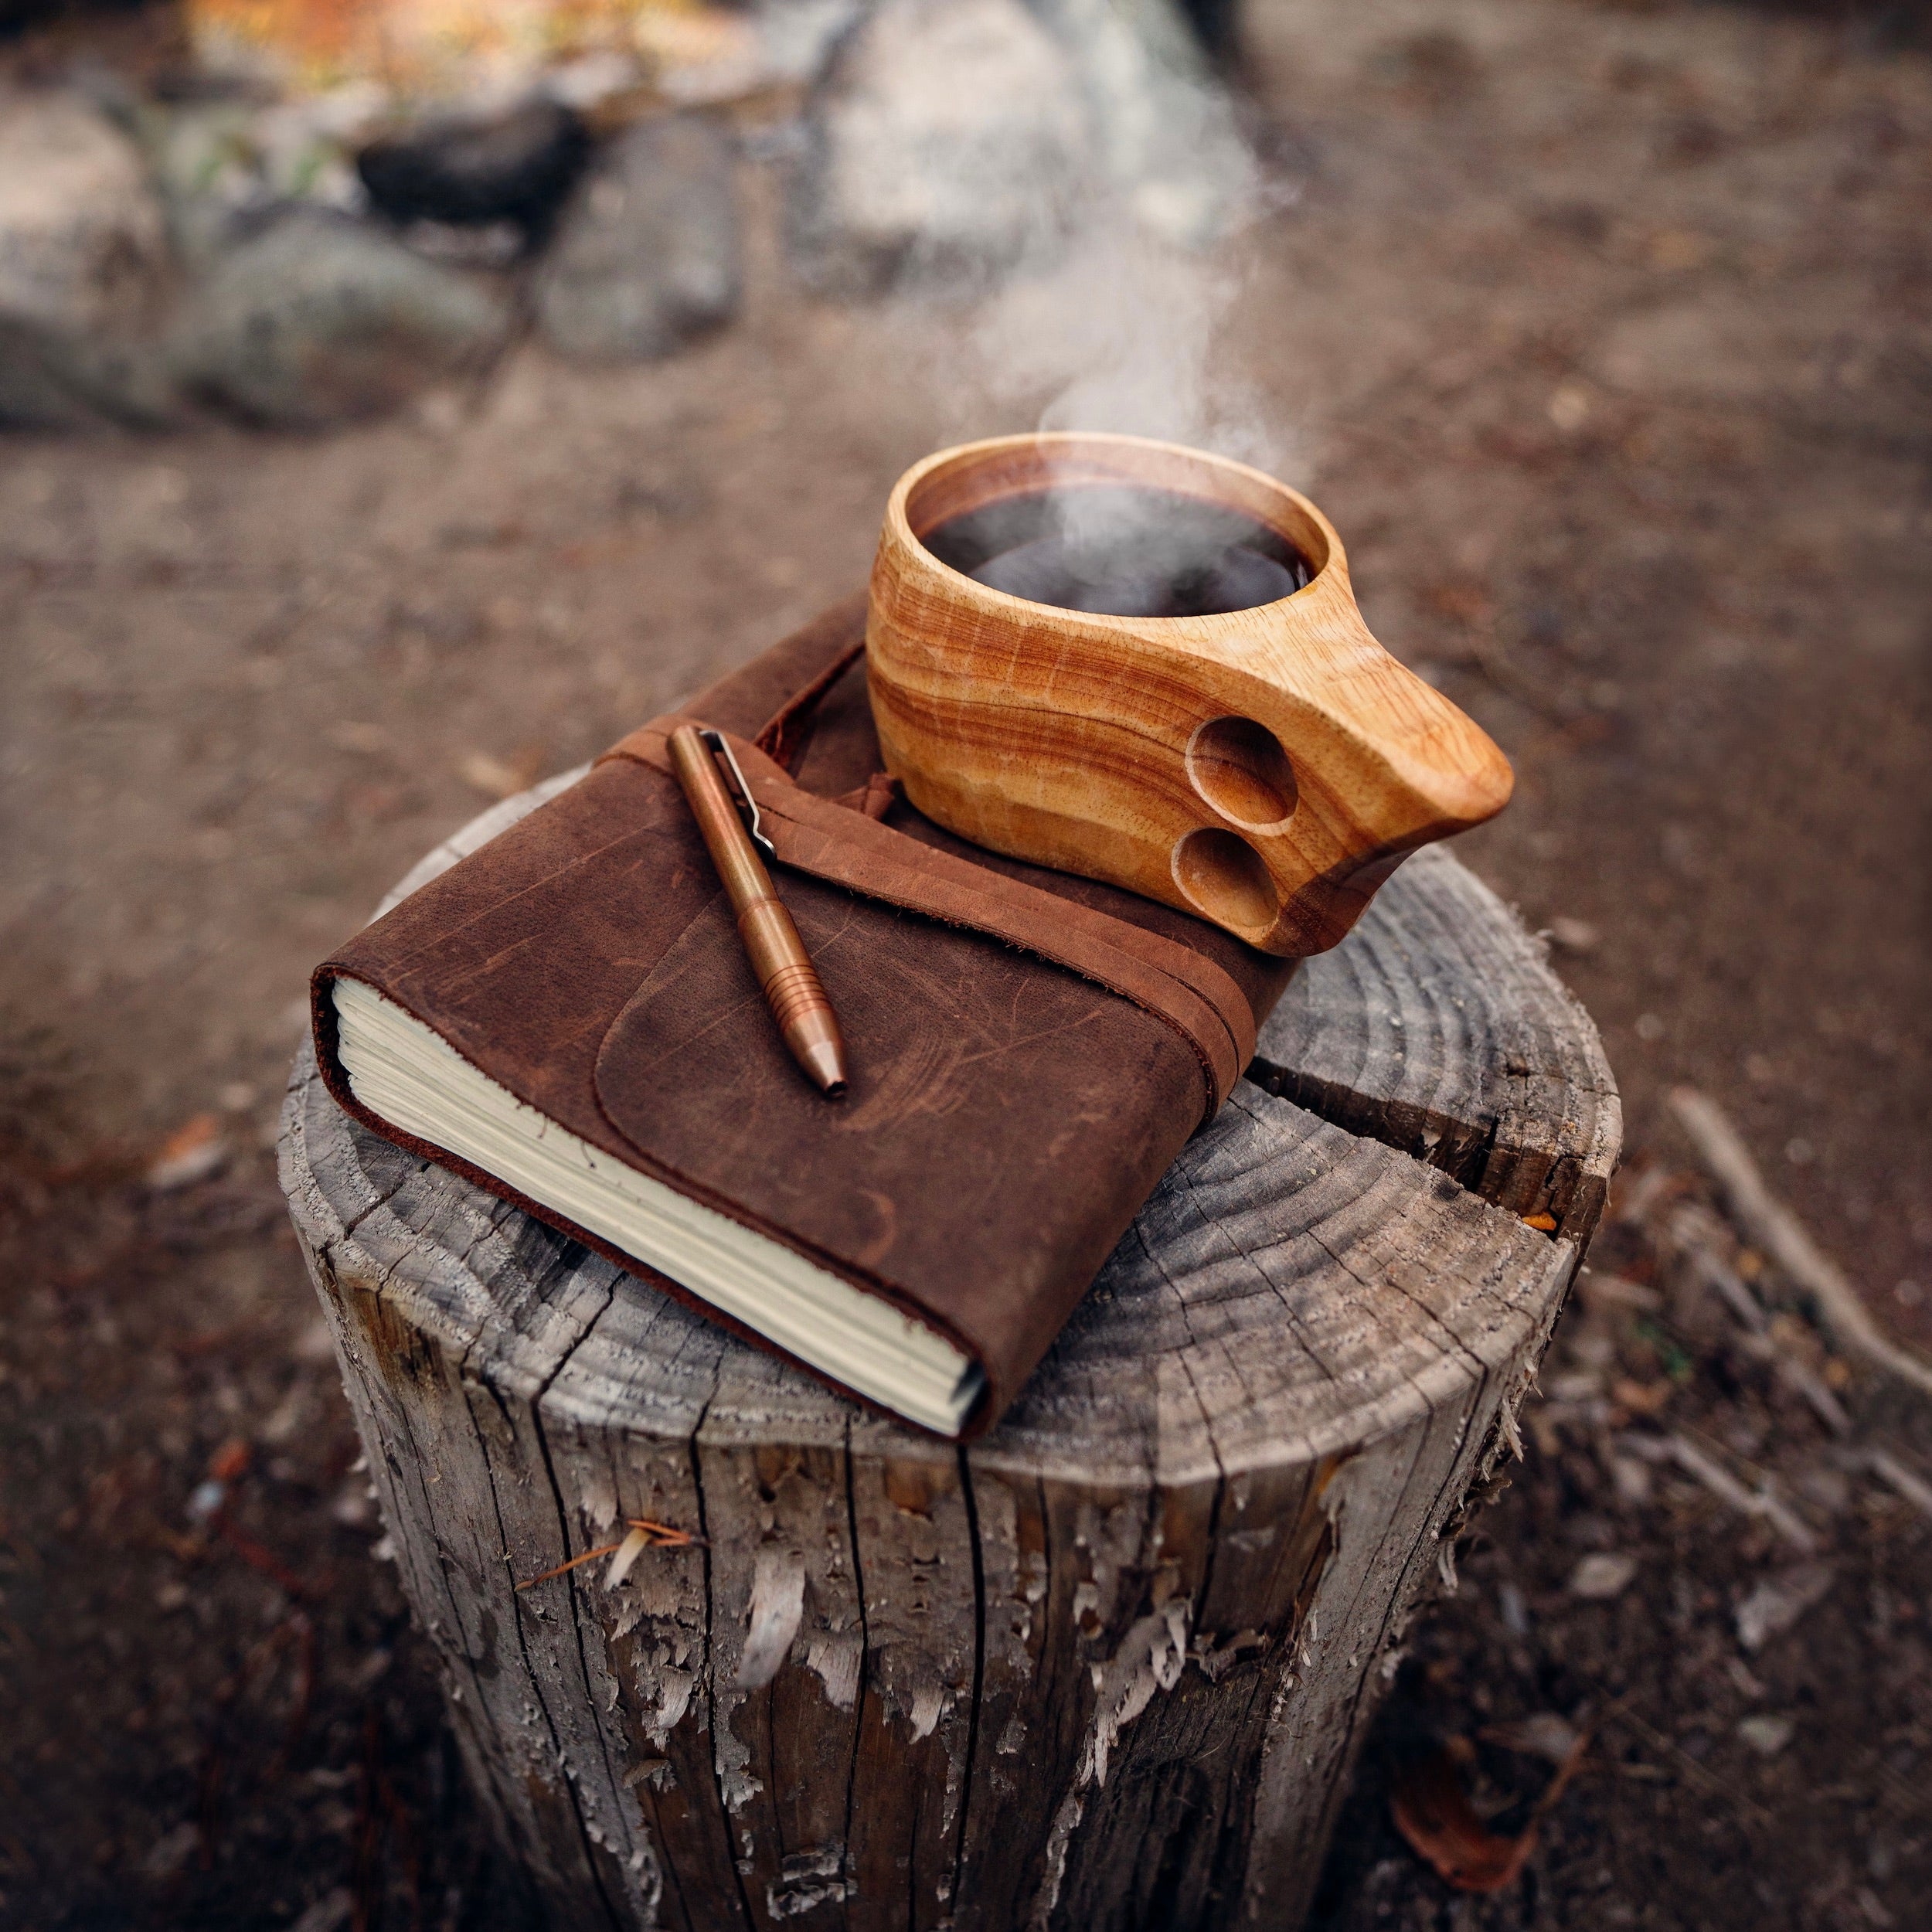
(1145, 664)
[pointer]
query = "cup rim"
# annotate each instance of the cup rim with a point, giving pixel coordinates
(968, 477)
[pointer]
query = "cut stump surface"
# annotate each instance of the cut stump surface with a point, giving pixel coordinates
(1108, 1667)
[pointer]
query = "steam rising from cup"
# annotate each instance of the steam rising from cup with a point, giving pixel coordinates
(1057, 188)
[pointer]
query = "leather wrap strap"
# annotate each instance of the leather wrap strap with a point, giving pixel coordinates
(835, 842)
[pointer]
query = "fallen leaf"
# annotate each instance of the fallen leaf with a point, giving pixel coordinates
(1467, 602)
(500, 778)
(1542, 1224)
(1632, 1480)
(1675, 248)
(1778, 1602)
(195, 1150)
(1767, 1735)
(1433, 1812)
(1575, 935)
(169, 1853)
(1569, 405)
(1603, 1576)
(331, 1910)
(1641, 1398)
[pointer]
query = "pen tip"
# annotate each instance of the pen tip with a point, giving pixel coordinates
(826, 1065)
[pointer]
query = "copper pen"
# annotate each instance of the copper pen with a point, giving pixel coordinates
(778, 954)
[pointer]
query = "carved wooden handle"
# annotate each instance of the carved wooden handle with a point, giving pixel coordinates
(1265, 768)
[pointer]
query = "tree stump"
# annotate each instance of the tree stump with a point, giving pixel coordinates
(1107, 1668)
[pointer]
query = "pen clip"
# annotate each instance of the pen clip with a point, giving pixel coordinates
(746, 805)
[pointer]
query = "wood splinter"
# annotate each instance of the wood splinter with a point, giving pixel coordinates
(644, 1535)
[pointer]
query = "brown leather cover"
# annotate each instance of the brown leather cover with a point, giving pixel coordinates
(1201, 1002)
(1007, 1115)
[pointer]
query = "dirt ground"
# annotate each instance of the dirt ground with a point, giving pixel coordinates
(1602, 335)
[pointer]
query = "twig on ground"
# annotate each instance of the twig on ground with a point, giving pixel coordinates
(1622, 1714)
(1704, 1243)
(1640, 1191)
(381, 1817)
(1801, 1378)
(1914, 1489)
(1617, 1291)
(257, 1557)
(1694, 1460)
(1701, 1240)
(1777, 1233)
(212, 1772)
(304, 1633)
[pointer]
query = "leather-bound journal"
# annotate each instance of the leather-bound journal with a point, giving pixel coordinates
(567, 1016)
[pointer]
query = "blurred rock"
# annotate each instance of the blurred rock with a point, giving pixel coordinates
(949, 138)
(303, 145)
(515, 166)
(493, 244)
(1216, 24)
(52, 381)
(1163, 128)
(646, 253)
(34, 395)
(595, 86)
(84, 268)
(701, 55)
(318, 318)
(83, 242)
(954, 138)
(220, 165)
(204, 162)
(799, 36)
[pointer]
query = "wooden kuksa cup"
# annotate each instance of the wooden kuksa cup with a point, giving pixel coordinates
(1266, 768)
